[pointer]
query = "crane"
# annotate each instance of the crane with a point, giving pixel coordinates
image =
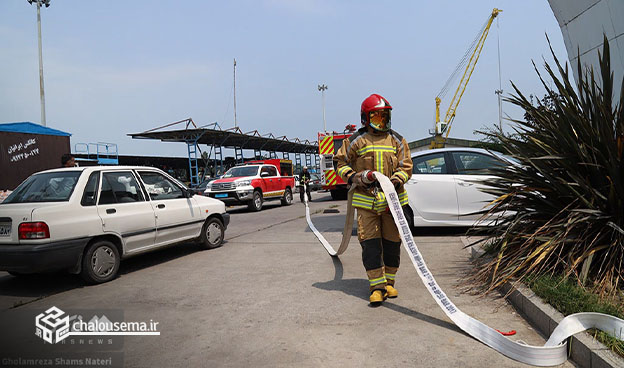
(470, 58)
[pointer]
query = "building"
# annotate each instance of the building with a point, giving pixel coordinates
(26, 148)
(583, 24)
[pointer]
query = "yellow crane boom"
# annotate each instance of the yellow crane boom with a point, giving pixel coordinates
(471, 56)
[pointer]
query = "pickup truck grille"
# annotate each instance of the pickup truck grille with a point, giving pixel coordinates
(222, 186)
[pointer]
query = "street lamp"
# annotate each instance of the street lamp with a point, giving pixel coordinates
(322, 88)
(235, 125)
(41, 92)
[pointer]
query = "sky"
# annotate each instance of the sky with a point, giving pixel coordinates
(116, 67)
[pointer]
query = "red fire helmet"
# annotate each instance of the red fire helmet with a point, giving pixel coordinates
(381, 119)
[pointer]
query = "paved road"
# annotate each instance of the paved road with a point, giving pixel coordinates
(272, 297)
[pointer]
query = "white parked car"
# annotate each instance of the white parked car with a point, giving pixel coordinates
(87, 219)
(443, 189)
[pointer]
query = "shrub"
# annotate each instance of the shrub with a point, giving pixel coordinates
(564, 202)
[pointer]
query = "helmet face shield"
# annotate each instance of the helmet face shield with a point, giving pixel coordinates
(380, 119)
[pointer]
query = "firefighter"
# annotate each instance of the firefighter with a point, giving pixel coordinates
(375, 147)
(304, 178)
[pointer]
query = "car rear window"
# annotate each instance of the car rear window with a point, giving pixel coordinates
(429, 164)
(473, 163)
(120, 187)
(45, 187)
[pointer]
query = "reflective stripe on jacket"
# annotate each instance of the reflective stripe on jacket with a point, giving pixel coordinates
(386, 152)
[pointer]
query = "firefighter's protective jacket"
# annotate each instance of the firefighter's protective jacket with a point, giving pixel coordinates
(386, 152)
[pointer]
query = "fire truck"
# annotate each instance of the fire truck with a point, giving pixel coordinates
(329, 144)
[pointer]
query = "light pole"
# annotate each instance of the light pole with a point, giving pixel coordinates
(235, 124)
(41, 91)
(322, 88)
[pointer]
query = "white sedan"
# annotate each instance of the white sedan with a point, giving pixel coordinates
(443, 189)
(87, 219)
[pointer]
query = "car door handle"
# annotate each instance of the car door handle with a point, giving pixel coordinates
(111, 210)
(161, 206)
(464, 184)
(412, 181)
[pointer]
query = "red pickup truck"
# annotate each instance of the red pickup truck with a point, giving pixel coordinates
(254, 183)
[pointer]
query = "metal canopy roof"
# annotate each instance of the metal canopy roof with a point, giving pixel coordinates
(229, 138)
(28, 127)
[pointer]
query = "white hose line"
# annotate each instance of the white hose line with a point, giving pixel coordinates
(346, 232)
(554, 352)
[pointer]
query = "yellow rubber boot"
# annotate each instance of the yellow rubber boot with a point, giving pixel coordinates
(392, 292)
(377, 296)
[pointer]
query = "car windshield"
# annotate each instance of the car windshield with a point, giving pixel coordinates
(46, 187)
(236, 172)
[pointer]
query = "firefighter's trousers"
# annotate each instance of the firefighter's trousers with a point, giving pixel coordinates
(381, 247)
(307, 191)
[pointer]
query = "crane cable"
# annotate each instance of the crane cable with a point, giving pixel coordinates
(554, 352)
(462, 63)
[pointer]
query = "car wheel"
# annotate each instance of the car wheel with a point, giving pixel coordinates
(256, 202)
(212, 234)
(288, 198)
(100, 262)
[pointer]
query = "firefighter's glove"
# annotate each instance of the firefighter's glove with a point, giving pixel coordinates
(396, 182)
(364, 178)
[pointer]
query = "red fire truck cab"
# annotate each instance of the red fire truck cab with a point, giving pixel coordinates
(329, 144)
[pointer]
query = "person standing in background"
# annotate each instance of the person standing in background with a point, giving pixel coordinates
(68, 160)
(305, 179)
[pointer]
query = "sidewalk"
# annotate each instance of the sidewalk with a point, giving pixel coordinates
(584, 350)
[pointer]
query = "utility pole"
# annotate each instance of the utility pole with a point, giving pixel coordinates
(235, 124)
(41, 90)
(322, 88)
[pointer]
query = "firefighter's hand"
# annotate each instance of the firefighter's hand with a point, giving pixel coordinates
(364, 178)
(396, 182)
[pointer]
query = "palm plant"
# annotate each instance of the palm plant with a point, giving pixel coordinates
(563, 204)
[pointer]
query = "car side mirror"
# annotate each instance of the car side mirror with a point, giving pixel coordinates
(188, 193)
(264, 174)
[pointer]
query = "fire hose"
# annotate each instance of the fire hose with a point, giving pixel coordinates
(554, 352)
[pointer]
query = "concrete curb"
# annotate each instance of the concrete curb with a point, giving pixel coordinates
(584, 350)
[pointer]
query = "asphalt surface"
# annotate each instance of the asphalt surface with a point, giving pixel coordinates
(271, 296)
